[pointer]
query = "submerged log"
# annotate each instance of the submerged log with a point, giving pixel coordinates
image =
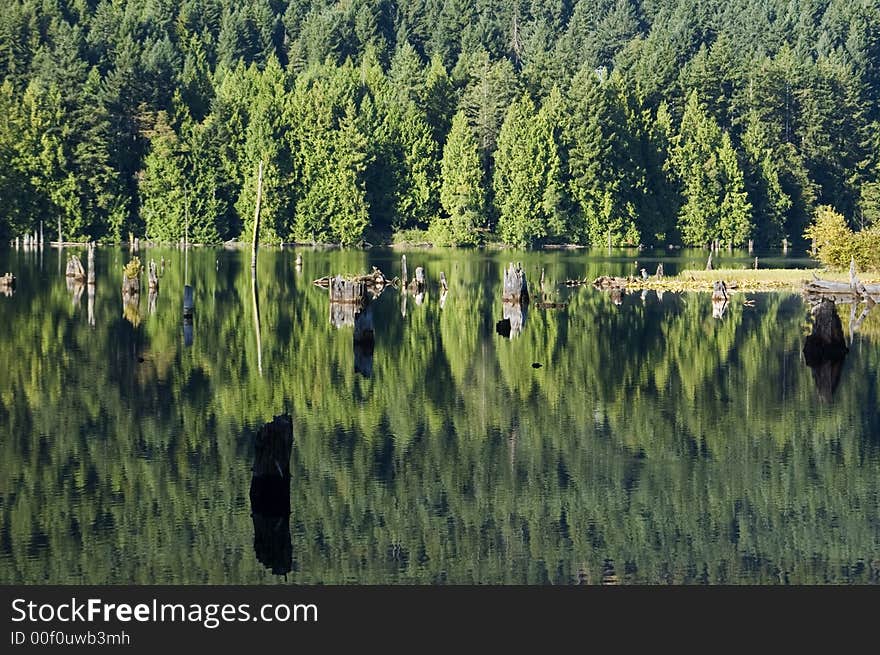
(270, 495)
(515, 288)
(825, 349)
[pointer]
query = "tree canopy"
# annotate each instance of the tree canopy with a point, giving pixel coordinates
(628, 120)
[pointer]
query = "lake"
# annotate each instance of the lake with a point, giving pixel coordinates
(638, 441)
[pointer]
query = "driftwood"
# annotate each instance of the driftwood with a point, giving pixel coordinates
(351, 289)
(825, 349)
(854, 291)
(516, 289)
(270, 495)
(75, 268)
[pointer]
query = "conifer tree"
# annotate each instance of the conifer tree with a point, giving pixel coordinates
(461, 192)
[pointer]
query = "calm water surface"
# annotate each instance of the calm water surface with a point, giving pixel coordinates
(653, 444)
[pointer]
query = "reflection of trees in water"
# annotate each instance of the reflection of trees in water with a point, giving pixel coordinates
(647, 422)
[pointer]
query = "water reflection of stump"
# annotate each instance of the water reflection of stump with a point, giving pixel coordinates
(514, 318)
(76, 287)
(270, 495)
(364, 341)
(131, 298)
(350, 306)
(514, 302)
(825, 349)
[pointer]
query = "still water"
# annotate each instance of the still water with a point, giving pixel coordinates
(654, 443)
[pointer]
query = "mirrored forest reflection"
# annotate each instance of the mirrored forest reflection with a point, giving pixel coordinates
(654, 443)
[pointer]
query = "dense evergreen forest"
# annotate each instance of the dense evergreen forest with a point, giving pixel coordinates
(527, 122)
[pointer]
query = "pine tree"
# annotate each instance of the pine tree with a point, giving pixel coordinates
(602, 159)
(735, 212)
(695, 158)
(461, 191)
(526, 177)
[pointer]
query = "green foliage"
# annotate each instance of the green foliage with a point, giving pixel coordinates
(527, 179)
(837, 244)
(648, 93)
(461, 193)
(716, 204)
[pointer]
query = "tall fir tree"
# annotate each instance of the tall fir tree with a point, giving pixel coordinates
(461, 192)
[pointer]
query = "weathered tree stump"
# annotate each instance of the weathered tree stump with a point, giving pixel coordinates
(131, 291)
(825, 349)
(75, 268)
(91, 261)
(270, 495)
(515, 288)
(347, 292)
(153, 276)
(418, 285)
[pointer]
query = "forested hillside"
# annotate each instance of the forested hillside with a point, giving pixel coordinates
(634, 121)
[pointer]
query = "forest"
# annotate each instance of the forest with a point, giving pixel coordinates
(597, 122)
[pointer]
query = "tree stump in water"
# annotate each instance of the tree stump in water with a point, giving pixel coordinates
(418, 285)
(516, 288)
(270, 495)
(153, 276)
(91, 260)
(719, 299)
(348, 292)
(131, 291)
(825, 349)
(75, 268)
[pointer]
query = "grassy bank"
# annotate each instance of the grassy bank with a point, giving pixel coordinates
(746, 280)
